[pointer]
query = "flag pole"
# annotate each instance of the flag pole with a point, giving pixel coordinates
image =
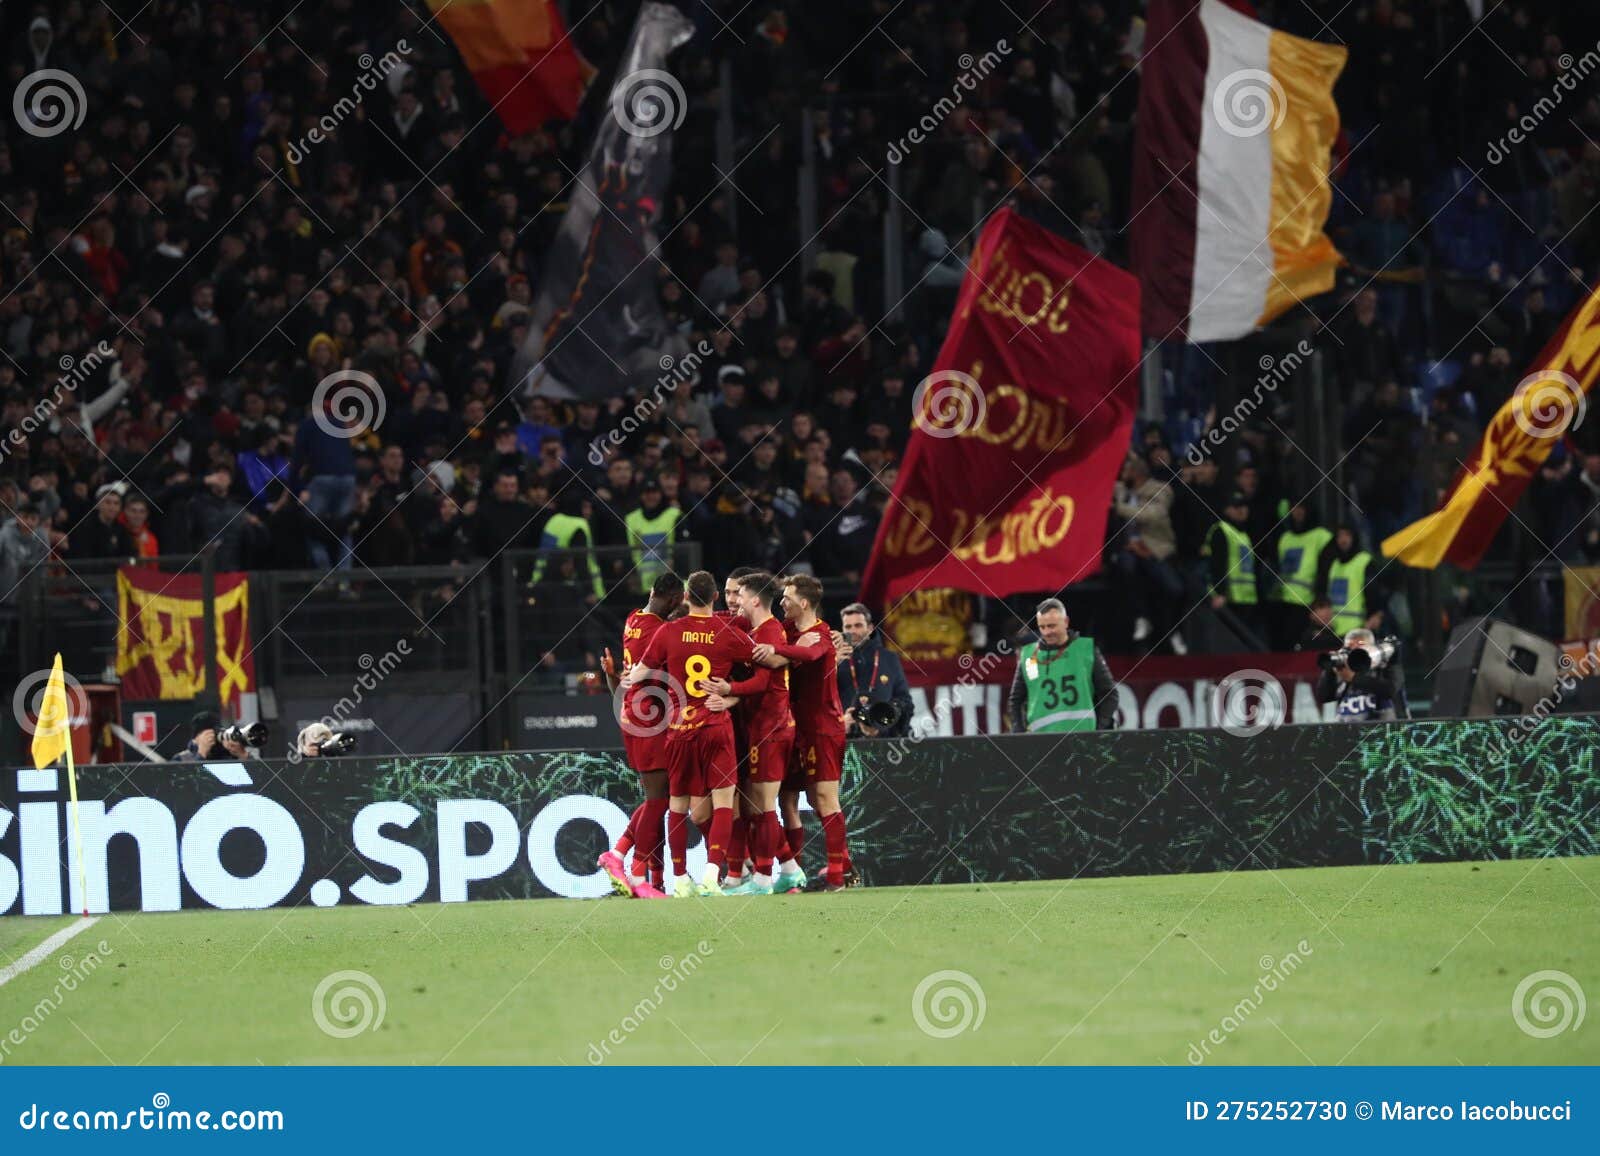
(77, 828)
(72, 790)
(53, 725)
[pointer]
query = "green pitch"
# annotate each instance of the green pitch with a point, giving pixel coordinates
(1415, 964)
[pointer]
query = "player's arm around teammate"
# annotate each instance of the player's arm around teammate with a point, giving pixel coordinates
(818, 760)
(644, 718)
(700, 756)
(770, 730)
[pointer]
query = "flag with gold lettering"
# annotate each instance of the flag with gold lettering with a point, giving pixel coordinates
(1548, 402)
(1020, 430)
(161, 640)
(930, 625)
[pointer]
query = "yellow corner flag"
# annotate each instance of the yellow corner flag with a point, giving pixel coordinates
(52, 731)
(52, 738)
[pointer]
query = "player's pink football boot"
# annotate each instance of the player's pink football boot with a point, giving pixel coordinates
(611, 864)
(642, 889)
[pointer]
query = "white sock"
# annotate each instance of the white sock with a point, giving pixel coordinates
(712, 872)
(789, 867)
(763, 880)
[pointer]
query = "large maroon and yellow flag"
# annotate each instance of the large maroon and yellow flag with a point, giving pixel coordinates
(520, 56)
(1232, 154)
(1021, 428)
(1550, 400)
(160, 642)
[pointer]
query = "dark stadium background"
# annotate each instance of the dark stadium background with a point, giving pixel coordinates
(229, 273)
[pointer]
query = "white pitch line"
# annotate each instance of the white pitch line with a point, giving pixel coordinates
(43, 952)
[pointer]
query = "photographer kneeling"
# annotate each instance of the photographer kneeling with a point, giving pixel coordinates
(1364, 679)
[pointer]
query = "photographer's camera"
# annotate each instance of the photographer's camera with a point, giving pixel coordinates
(319, 740)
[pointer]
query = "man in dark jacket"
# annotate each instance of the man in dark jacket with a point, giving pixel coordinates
(102, 536)
(503, 521)
(1373, 695)
(869, 672)
(207, 743)
(845, 543)
(214, 516)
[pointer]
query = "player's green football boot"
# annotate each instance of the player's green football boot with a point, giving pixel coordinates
(788, 881)
(710, 882)
(683, 888)
(751, 886)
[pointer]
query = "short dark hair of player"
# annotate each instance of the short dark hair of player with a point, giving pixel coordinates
(702, 589)
(807, 587)
(667, 585)
(763, 586)
(740, 573)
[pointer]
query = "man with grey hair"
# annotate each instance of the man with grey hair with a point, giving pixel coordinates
(1372, 695)
(870, 674)
(1062, 681)
(310, 742)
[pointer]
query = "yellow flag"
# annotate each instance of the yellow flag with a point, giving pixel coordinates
(1548, 402)
(52, 732)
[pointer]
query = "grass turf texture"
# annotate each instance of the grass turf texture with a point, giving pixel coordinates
(1408, 964)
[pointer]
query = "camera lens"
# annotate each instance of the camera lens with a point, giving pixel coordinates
(882, 714)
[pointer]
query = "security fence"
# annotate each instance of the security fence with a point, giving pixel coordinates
(529, 620)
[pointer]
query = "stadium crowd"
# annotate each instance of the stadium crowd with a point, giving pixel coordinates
(228, 269)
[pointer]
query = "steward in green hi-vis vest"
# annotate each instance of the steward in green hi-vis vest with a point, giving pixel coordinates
(1060, 686)
(1298, 555)
(652, 537)
(558, 534)
(1347, 590)
(1238, 582)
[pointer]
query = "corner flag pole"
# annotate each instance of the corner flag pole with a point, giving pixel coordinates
(52, 738)
(77, 830)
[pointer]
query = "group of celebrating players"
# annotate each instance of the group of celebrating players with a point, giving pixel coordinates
(728, 716)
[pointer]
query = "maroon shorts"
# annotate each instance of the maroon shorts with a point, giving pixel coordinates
(645, 752)
(701, 761)
(768, 761)
(815, 759)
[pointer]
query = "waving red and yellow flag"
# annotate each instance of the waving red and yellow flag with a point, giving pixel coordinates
(1549, 401)
(521, 57)
(1019, 431)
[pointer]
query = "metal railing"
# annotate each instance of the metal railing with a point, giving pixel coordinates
(530, 621)
(527, 619)
(311, 623)
(549, 609)
(71, 606)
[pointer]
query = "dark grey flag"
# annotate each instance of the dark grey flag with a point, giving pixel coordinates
(597, 329)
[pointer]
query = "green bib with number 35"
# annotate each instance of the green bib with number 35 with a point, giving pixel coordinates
(1060, 686)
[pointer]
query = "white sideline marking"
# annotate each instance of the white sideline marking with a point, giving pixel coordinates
(43, 952)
